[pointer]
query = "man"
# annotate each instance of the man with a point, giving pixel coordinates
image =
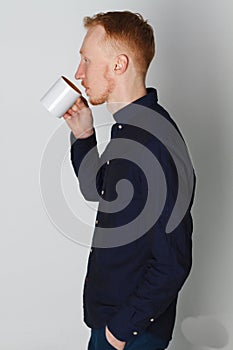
(132, 284)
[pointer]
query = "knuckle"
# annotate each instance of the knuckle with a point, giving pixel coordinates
(75, 108)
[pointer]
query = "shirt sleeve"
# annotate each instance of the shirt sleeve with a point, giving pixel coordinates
(86, 163)
(167, 270)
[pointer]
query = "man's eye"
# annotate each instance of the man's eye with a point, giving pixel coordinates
(85, 59)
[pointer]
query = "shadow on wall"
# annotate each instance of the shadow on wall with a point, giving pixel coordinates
(206, 331)
(199, 80)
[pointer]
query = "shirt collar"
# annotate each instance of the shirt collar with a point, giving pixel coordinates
(127, 112)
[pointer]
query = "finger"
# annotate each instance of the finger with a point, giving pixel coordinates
(73, 111)
(81, 103)
(67, 116)
(75, 108)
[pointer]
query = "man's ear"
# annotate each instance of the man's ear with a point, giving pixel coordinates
(121, 64)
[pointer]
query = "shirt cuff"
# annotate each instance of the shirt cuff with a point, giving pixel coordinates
(122, 324)
(90, 139)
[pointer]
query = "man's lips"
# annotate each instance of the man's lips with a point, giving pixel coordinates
(84, 85)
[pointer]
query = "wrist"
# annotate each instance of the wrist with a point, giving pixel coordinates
(83, 134)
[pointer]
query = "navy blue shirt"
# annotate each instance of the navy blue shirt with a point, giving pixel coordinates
(134, 286)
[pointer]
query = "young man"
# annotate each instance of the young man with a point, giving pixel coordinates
(131, 287)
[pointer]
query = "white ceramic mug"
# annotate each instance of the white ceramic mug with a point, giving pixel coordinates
(60, 97)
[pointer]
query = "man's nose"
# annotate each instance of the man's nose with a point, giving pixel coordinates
(80, 73)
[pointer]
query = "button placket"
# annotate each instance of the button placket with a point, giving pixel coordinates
(105, 176)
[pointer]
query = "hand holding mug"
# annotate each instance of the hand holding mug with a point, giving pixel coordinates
(64, 99)
(79, 119)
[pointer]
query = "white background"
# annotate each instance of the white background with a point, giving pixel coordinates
(41, 271)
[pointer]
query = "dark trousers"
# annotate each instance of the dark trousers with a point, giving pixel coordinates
(145, 341)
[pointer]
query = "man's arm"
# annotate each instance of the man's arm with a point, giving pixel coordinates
(167, 271)
(83, 140)
(86, 166)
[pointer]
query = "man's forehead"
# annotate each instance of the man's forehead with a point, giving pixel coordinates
(95, 34)
(93, 38)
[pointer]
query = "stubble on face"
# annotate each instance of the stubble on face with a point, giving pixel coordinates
(103, 96)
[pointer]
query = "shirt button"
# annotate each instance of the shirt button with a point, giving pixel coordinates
(91, 250)
(152, 319)
(135, 333)
(119, 126)
(102, 192)
(96, 221)
(108, 162)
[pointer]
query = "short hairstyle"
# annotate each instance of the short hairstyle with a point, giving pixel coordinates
(130, 30)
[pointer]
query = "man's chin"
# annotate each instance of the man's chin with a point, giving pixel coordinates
(95, 101)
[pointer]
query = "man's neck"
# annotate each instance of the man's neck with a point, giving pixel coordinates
(120, 99)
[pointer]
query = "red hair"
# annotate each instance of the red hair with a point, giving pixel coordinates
(129, 30)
